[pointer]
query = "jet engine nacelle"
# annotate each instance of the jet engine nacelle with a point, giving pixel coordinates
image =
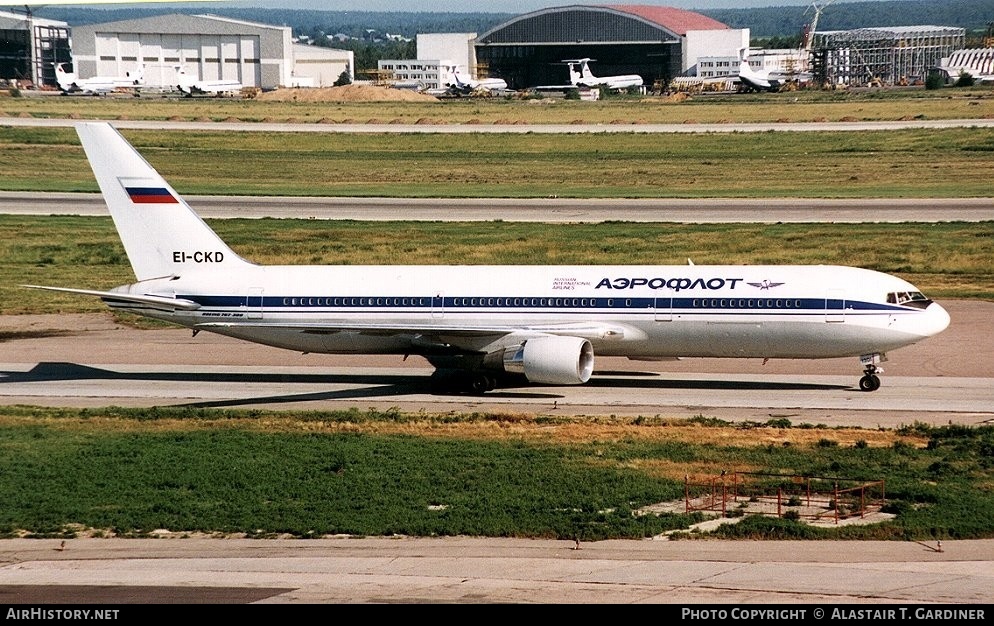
(552, 360)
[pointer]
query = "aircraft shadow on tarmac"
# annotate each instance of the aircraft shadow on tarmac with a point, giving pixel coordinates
(629, 380)
(381, 385)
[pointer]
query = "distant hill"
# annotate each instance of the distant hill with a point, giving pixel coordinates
(307, 22)
(774, 21)
(786, 21)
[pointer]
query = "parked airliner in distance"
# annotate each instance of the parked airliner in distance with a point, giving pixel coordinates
(766, 80)
(462, 86)
(581, 76)
(190, 85)
(71, 83)
(482, 326)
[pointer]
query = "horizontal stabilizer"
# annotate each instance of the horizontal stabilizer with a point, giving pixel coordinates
(162, 302)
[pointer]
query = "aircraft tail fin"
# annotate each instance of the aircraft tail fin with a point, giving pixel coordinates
(137, 77)
(184, 82)
(587, 74)
(65, 79)
(574, 75)
(161, 234)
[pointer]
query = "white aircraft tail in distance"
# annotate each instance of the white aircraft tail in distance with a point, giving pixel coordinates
(189, 85)
(756, 80)
(581, 76)
(71, 83)
(464, 86)
(767, 80)
(489, 325)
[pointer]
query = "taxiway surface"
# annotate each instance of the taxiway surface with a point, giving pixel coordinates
(464, 570)
(91, 360)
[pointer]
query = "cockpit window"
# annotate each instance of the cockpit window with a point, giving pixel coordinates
(914, 299)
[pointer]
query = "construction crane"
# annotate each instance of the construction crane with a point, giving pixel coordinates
(809, 34)
(815, 63)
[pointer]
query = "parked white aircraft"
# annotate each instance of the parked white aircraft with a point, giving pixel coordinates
(756, 80)
(487, 323)
(581, 76)
(70, 82)
(765, 80)
(461, 85)
(191, 86)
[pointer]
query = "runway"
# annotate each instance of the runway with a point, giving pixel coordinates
(546, 210)
(542, 129)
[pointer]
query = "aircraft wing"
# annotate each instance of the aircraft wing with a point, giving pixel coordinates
(112, 297)
(586, 331)
(218, 86)
(781, 75)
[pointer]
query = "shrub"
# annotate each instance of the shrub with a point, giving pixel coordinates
(934, 80)
(965, 79)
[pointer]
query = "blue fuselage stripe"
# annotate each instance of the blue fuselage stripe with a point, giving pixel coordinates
(544, 304)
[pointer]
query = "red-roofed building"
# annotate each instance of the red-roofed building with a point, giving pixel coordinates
(658, 43)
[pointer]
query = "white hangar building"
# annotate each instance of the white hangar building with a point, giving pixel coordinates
(209, 47)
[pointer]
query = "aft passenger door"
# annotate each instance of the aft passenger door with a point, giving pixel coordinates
(253, 303)
(835, 306)
(664, 309)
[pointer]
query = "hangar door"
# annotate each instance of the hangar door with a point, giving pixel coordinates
(210, 57)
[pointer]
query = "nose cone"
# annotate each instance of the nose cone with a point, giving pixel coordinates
(934, 321)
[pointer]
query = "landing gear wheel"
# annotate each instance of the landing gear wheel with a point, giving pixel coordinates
(870, 382)
(480, 383)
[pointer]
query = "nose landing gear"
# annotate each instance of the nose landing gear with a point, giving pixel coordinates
(870, 381)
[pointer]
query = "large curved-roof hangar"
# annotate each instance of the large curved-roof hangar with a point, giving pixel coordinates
(621, 39)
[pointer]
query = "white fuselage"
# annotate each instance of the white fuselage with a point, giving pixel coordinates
(581, 76)
(69, 82)
(636, 311)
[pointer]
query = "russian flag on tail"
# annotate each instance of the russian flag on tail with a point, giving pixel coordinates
(150, 195)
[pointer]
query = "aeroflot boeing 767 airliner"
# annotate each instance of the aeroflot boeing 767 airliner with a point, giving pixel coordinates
(486, 323)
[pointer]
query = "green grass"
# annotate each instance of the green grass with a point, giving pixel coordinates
(800, 106)
(134, 471)
(945, 260)
(885, 164)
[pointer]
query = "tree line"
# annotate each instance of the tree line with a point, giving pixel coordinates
(380, 35)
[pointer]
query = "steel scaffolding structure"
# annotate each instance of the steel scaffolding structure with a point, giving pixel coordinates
(882, 56)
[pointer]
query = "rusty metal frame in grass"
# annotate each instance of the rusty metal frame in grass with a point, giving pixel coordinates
(814, 498)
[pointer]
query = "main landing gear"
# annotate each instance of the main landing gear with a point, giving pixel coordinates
(463, 381)
(870, 381)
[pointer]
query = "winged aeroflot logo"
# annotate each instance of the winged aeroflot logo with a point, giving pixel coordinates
(765, 284)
